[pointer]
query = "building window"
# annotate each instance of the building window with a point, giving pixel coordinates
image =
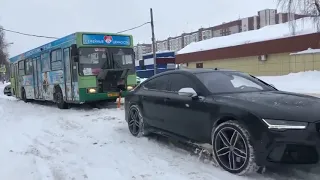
(179, 43)
(225, 32)
(195, 37)
(207, 34)
(199, 65)
(186, 40)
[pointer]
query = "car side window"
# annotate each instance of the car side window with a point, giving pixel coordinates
(179, 81)
(159, 83)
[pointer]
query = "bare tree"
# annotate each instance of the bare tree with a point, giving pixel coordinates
(3, 50)
(309, 8)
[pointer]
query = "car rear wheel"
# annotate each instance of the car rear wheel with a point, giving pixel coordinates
(136, 124)
(232, 148)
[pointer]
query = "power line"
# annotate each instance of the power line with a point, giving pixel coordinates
(134, 27)
(17, 32)
(50, 37)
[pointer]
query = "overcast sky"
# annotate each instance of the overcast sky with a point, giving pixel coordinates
(62, 17)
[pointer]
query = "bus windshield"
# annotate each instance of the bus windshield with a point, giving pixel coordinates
(92, 60)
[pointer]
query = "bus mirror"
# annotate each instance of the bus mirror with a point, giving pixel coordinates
(76, 58)
(74, 51)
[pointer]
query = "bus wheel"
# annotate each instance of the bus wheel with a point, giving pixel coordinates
(59, 99)
(112, 100)
(24, 96)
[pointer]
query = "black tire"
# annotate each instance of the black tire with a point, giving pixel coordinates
(112, 100)
(232, 148)
(24, 96)
(136, 125)
(58, 97)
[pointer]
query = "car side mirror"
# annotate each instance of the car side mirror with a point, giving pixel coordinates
(188, 92)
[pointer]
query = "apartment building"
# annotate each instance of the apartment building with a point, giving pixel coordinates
(264, 18)
(141, 49)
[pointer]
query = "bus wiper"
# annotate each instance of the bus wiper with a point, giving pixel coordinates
(105, 65)
(117, 64)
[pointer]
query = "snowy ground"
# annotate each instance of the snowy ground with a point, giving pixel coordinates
(45, 143)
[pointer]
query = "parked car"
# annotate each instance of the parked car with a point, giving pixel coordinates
(249, 123)
(7, 90)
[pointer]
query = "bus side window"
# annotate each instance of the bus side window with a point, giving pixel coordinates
(56, 59)
(11, 70)
(21, 67)
(28, 66)
(45, 60)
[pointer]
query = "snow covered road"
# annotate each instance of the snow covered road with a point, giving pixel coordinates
(46, 143)
(41, 142)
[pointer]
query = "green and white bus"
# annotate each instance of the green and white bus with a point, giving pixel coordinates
(84, 67)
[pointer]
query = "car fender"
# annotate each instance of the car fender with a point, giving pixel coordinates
(250, 121)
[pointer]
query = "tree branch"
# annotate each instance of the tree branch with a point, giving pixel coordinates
(316, 3)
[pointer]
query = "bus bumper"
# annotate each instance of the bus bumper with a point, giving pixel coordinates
(92, 97)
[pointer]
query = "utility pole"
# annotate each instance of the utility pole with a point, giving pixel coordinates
(153, 44)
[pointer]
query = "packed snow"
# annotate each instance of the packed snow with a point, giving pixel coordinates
(302, 82)
(302, 26)
(308, 51)
(40, 141)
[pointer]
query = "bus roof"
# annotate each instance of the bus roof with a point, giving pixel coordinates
(69, 38)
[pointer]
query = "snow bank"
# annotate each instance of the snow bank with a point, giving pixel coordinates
(301, 82)
(303, 26)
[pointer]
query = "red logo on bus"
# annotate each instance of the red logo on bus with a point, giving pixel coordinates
(108, 39)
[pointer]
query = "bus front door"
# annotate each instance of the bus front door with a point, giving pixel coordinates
(16, 80)
(35, 79)
(67, 74)
(39, 78)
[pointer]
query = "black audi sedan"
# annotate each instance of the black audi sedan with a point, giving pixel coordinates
(248, 122)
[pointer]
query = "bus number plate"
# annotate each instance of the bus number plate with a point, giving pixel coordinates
(113, 94)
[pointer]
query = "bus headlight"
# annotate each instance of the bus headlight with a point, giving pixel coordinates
(129, 88)
(91, 90)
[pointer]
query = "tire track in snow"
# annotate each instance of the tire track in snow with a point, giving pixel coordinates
(74, 132)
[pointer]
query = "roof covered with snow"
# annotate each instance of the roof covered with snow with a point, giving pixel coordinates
(303, 26)
(308, 51)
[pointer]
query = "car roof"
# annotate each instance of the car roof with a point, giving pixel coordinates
(191, 71)
(195, 71)
(204, 70)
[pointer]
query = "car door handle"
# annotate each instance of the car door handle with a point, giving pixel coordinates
(166, 99)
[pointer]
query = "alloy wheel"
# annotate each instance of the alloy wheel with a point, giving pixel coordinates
(231, 148)
(134, 121)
